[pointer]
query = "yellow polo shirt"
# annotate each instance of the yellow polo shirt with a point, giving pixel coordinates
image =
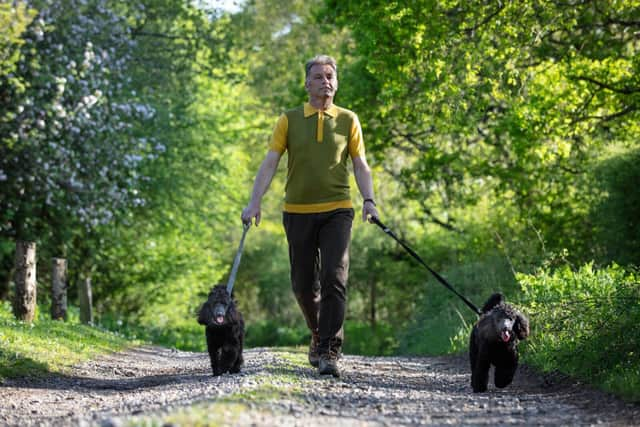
(319, 145)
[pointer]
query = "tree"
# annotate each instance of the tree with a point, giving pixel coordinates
(512, 101)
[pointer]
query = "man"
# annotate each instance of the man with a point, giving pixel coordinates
(320, 138)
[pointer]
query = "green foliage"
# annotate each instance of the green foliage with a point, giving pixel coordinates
(263, 287)
(507, 101)
(584, 323)
(44, 346)
(268, 333)
(363, 338)
(14, 19)
(615, 216)
(442, 321)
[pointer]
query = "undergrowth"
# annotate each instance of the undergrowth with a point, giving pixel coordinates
(585, 324)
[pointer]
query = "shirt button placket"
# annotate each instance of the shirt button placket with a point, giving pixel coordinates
(320, 126)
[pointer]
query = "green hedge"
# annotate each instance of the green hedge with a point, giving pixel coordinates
(585, 324)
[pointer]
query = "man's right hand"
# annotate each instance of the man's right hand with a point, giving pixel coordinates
(251, 211)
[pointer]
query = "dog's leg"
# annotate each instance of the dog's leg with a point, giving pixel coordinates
(480, 375)
(504, 376)
(229, 357)
(215, 361)
(505, 371)
(473, 349)
(214, 354)
(239, 361)
(237, 365)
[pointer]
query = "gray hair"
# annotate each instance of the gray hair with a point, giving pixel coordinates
(322, 60)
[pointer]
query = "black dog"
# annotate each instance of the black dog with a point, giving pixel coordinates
(494, 341)
(225, 331)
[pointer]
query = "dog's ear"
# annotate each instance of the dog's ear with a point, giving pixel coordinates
(521, 326)
(232, 313)
(494, 300)
(204, 314)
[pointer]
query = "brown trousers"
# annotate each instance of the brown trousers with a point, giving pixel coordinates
(319, 258)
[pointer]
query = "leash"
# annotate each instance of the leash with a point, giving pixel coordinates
(415, 255)
(236, 260)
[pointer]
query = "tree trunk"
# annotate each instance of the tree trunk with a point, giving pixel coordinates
(86, 310)
(59, 289)
(24, 302)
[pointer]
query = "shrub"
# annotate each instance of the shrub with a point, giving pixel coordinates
(585, 324)
(267, 333)
(361, 338)
(442, 321)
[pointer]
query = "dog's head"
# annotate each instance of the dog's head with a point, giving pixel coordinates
(219, 309)
(509, 324)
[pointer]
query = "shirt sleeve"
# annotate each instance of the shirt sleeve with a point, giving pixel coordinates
(356, 142)
(279, 136)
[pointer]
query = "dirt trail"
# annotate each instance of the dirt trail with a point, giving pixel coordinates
(158, 386)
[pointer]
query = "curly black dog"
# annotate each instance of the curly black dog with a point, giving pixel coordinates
(494, 341)
(224, 331)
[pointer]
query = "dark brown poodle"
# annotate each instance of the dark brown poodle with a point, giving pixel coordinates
(224, 331)
(494, 341)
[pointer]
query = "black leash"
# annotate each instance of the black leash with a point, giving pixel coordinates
(415, 255)
(236, 260)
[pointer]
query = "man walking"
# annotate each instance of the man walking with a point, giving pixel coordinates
(320, 137)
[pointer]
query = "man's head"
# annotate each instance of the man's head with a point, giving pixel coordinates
(321, 78)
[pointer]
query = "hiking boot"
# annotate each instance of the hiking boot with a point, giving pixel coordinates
(329, 364)
(314, 357)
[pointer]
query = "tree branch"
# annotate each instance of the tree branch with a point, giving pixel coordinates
(624, 91)
(609, 117)
(437, 221)
(471, 30)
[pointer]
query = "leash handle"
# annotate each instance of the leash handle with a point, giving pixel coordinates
(236, 260)
(417, 257)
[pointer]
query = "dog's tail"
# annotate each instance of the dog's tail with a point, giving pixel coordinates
(494, 300)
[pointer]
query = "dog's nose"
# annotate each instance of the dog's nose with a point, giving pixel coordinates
(218, 313)
(219, 310)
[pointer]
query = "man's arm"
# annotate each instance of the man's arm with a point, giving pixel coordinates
(362, 173)
(260, 186)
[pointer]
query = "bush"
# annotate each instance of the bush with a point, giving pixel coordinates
(268, 333)
(585, 324)
(615, 217)
(442, 321)
(361, 338)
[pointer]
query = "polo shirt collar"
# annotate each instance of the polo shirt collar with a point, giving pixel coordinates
(309, 110)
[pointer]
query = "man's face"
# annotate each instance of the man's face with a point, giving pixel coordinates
(322, 81)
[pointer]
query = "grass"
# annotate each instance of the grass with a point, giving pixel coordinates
(48, 346)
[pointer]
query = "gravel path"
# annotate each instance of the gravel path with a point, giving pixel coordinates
(158, 386)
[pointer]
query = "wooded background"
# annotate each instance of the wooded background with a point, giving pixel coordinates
(503, 137)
